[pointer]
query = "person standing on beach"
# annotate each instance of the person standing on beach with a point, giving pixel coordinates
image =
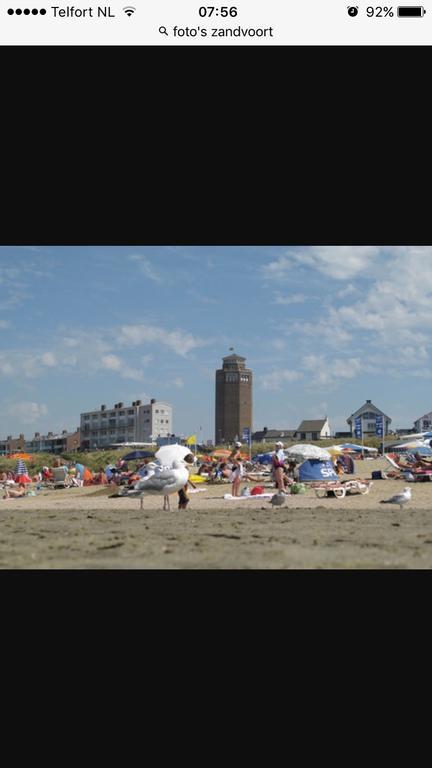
(278, 464)
(182, 493)
(236, 469)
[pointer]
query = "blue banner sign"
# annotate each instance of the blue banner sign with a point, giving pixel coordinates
(246, 434)
(358, 426)
(379, 426)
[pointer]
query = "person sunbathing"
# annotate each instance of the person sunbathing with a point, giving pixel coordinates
(421, 463)
(15, 494)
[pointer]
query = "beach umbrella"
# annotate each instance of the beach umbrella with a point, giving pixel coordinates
(415, 447)
(23, 456)
(303, 452)
(138, 455)
(169, 453)
(357, 448)
(21, 474)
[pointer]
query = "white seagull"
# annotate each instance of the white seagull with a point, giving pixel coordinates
(278, 500)
(399, 498)
(161, 481)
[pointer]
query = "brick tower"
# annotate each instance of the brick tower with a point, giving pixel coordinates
(233, 399)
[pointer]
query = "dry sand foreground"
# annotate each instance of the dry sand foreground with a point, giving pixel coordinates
(82, 528)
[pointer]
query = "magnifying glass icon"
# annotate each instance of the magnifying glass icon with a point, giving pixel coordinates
(163, 31)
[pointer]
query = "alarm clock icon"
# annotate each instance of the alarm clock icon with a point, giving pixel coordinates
(353, 10)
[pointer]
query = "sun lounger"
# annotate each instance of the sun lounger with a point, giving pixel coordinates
(420, 473)
(340, 489)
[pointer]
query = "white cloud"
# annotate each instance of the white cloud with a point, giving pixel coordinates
(114, 363)
(178, 382)
(28, 412)
(277, 379)
(179, 341)
(295, 298)
(111, 362)
(278, 344)
(338, 262)
(49, 359)
(6, 368)
(4, 324)
(146, 268)
(328, 372)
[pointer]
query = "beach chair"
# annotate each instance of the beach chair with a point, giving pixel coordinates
(60, 477)
(341, 489)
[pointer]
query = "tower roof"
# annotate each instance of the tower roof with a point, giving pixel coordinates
(233, 357)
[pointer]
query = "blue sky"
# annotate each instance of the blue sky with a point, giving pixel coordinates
(323, 329)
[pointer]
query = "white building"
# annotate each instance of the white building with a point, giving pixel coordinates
(313, 429)
(424, 423)
(126, 424)
(368, 413)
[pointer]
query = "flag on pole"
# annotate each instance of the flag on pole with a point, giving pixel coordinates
(191, 440)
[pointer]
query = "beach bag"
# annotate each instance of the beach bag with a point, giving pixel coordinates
(298, 488)
(257, 490)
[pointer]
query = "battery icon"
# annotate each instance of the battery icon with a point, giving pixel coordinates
(410, 11)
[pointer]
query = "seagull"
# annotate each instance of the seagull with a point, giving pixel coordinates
(161, 480)
(278, 500)
(399, 498)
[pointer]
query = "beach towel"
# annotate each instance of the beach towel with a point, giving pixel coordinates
(229, 497)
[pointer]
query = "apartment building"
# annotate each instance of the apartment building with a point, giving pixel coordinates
(126, 424)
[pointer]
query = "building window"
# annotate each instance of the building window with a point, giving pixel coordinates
(370, 425)
(231, 377)
(103, 415)
(87, 417)
(130, 412)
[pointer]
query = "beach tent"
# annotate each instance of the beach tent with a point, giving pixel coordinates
(314, 470)
(263, 458)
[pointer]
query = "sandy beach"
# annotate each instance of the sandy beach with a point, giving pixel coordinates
(83, 528)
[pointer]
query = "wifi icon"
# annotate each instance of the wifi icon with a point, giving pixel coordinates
(129, 10)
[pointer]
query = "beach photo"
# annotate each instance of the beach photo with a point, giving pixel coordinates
(215, 407)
